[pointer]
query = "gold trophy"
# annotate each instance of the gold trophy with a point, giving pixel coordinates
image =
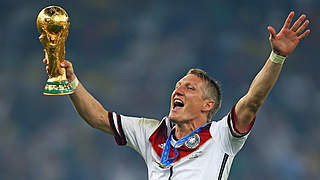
(53, 24)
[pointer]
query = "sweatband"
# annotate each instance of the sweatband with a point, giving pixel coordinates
(74, 84)
(277, 58)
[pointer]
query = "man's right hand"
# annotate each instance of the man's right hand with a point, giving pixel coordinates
(85, 104)
(68, 67)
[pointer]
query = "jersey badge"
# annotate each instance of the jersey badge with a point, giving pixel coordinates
(193, 141)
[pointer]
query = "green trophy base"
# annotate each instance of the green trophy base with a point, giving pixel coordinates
(58, 88)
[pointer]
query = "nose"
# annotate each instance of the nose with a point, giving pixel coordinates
(178, 91)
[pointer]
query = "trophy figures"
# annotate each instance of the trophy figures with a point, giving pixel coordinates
(53, 24)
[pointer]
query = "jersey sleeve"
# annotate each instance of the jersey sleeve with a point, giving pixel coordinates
(132, 131)
(225, 133)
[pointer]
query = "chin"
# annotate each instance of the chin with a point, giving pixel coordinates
(177, 120)
(173, 118)
(174, 121)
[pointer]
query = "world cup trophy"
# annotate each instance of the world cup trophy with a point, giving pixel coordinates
(53, 24)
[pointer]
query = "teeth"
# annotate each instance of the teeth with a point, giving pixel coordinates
(178, 101)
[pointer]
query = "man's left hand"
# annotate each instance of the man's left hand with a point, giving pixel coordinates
(288, 38)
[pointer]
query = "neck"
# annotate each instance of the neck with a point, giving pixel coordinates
(184, 129)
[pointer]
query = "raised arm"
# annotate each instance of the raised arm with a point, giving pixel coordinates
(282, 45)
(85, 104)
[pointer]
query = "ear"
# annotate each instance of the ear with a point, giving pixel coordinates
(207, 105)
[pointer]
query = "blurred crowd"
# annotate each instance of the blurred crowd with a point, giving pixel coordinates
(129, 54)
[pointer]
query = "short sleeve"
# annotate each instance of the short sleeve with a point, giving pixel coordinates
(225, 133)
(132, 131)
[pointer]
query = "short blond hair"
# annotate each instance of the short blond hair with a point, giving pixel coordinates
(211, 90)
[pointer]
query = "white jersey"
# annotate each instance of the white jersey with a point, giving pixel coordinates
(206, 155)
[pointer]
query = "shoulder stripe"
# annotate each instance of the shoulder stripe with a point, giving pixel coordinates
(114, 124)
(233, 132)
(233, 126)
(123, 137)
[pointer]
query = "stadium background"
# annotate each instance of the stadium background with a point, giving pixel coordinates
(129, 54)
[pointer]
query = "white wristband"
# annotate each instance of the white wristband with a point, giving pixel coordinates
(277, 58)
(74, 84)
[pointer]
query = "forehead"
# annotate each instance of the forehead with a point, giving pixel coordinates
(191, 79)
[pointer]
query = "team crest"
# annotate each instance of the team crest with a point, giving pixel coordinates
(193, 141)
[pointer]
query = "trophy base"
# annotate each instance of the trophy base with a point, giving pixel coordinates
(58, 88)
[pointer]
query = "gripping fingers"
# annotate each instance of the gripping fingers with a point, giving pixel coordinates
(65, 64)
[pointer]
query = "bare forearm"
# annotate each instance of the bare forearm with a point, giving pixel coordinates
(90, 109)
(263, 83)
(282, 45)
(260, 87)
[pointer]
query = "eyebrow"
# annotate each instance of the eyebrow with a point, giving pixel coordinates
(187, 84)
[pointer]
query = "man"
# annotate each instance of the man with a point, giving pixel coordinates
(186, 144)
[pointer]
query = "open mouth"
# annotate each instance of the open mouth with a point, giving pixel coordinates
(177, 103)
